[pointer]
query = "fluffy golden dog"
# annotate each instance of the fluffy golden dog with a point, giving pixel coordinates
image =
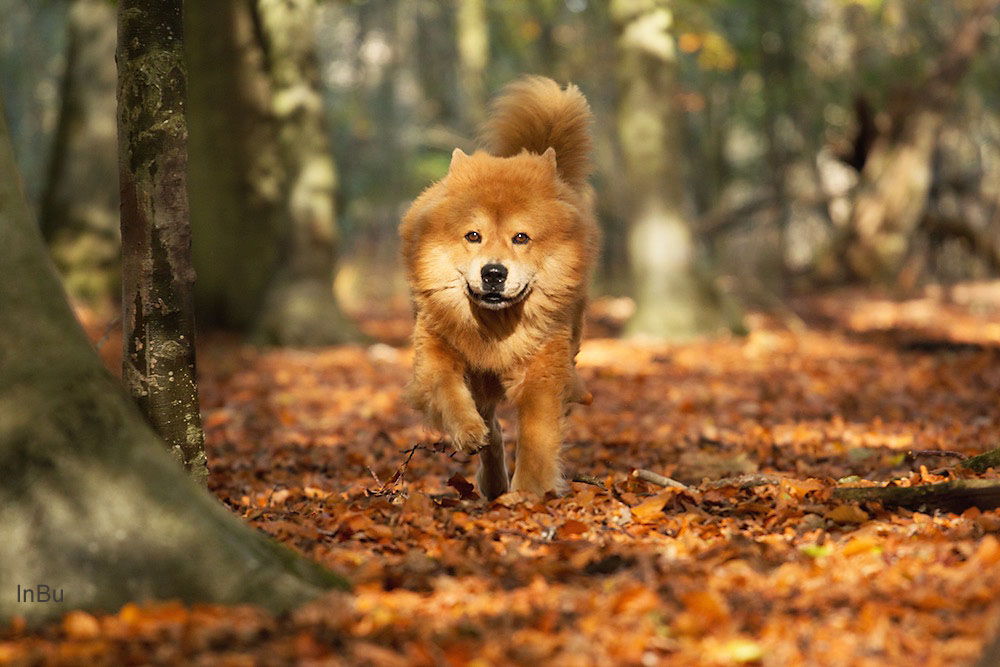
(498, 254)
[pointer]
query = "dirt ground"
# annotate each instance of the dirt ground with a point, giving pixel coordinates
(316, 448)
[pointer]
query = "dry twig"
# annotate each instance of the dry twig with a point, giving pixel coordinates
(657, 479)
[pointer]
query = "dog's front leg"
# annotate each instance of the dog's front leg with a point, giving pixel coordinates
(540, 400)
(439, 390)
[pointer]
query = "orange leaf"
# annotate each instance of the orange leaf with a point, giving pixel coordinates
(860, 545)
(847, 514)
(80, 625)
(572, 527)
(651, 508)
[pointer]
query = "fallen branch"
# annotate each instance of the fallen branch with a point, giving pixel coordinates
(657, 479)
(914, 453)
(590, 479)
(983, 462)
(747, 481)
(955, 496)
(390, 484)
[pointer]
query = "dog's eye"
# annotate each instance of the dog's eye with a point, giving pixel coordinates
(473, 237)
(521, 238)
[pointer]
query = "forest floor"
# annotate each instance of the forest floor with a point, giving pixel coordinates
(317, 449)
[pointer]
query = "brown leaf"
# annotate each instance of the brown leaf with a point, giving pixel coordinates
(571, 528)
(464, 487)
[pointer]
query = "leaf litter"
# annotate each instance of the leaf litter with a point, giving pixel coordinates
(747, 559)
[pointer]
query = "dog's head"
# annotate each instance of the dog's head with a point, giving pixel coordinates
(497, 232)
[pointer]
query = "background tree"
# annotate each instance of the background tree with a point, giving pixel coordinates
(672, 298)
(86, 487)
(782, 122)
(79, 213)
(473, 42)
(235, 180)
(897, 177)
(263, 207)
(158, 359)
(299, 307)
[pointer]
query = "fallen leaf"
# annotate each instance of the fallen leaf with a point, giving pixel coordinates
(466, 490)
(847, 514)
(571, 528)
(861, 545)
(651, 508)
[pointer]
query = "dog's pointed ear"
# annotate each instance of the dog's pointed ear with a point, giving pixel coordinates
(550, 156)
(457, 158)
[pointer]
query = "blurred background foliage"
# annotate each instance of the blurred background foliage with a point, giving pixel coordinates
(746, 150)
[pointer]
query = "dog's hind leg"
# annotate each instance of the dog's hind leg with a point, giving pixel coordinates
(492, 475)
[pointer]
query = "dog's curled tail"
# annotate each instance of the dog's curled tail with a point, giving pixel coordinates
(533, 113)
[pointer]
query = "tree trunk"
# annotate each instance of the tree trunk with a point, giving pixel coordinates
(672, 299)
(80, 206)
(158, 364)
(896, 179)
(473, 42)
(235, 174)
(299, 307)
(91, 504)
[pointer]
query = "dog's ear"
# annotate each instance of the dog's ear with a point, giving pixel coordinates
(457, 158)
(550, 156)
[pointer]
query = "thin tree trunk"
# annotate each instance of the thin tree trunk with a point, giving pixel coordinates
(80, 206)
(91, 504)
(473, 42)
(299, 307)
(157, 278)
(672, 299)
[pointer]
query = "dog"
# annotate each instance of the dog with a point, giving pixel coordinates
(498, 255)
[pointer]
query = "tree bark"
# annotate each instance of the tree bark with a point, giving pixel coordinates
(299, 307)
(91, 504)
(79, 213)
(235, 173)
(672, 298)
(158, 361)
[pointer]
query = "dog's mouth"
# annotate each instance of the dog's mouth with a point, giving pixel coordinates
(496, 300)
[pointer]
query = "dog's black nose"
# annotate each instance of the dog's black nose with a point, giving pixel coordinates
(494, 275)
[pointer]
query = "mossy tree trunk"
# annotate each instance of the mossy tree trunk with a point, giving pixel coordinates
(91, 504)
(672, 298)
(158, 357)
(235, 175)
(299, 307)
(79, 213)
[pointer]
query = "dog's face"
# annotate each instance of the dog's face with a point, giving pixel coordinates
(496, 234)
(497, 263)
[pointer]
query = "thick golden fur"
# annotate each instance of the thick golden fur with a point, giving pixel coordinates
(469, 354)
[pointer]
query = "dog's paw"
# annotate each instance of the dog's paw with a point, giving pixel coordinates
(539, 484)
(468, 435)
